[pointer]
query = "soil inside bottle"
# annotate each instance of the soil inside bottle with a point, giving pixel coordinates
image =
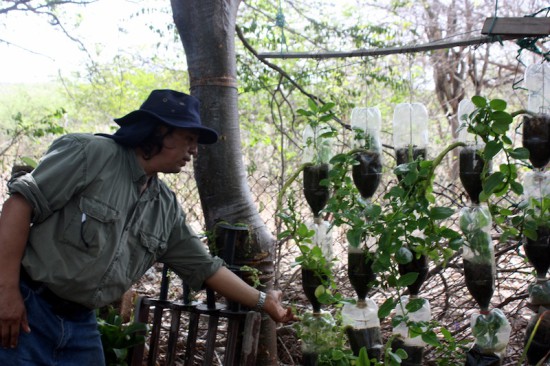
(475, 357)
(538, 251)
(316, 195)
(360, 274)
(310, 282)
(536, 139)
(366, 175)
(470, 168)
(309, 359)
(415, 354)
(417, 265)
(540, 345)
(370, 338)
(480, 282)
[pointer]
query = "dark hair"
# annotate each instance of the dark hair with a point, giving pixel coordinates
(153, 143)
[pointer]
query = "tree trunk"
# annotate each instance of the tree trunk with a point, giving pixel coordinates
(207, 30)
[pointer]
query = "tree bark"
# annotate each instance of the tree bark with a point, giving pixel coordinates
(207, 30)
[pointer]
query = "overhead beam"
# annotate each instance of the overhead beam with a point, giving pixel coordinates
(517, 27)
(494, 30)
(387, 50)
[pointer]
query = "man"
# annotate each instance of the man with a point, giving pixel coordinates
(90, 220)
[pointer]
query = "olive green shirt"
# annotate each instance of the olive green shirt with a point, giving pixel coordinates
(93, 234)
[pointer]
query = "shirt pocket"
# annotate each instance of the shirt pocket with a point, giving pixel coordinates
(92, 227)
(144, 255)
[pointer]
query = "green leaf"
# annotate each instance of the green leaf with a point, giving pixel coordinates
(431, 338)
(415, 305)
(303, 112)
(312, 105)
(491, 149)
(403, 255)
(497, 104)
(363, 359)
(386, 308)
(516, 187)
(320, 291)
(354, 236)
(440, 213)
(395, 357)
(493, 182)
(501, 125)
(402, 353)
(407, 279)
(326, 107)
(479, 101)
(519, 153)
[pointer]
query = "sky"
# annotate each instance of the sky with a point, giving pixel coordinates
(37, 51)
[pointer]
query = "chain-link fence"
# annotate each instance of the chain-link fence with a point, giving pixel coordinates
(451, 304)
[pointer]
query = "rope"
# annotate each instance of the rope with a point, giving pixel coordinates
(280, 22)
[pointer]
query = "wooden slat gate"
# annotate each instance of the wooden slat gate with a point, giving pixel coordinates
(241, 340)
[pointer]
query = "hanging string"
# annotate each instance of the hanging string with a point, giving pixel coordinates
(409, 56)
(366, 83)
(280, 22)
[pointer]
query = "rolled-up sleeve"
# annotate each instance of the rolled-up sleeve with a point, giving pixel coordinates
(188, 256)
(53, 182)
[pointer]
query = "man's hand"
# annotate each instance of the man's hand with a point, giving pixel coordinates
(274, 307)
(13, 317)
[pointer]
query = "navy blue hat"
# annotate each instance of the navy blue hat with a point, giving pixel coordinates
(169, 106)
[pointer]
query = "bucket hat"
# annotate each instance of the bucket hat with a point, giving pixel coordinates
(171, 107)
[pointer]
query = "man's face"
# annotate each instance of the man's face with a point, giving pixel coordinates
(178, 149)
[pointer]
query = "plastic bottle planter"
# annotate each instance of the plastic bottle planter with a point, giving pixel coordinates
(478, 254)
(316, 195)
(318, 335)
(492, 334)
(540, 346)
(536, 139)
(361, 320)
(367, 174)
(416, 265)
(310, 282)
(360, 272)
(413, 346)
(538, 252)
(362, 327)
(410, 131)
(470, 168)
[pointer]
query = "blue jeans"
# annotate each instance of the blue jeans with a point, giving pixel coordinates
(55, 340)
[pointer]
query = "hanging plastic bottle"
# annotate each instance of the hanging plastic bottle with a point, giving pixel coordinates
(323, 236)
(478, 254)
(537, 82)
(366, 124)
(317, 145)
(410, 132)
(471, 163)
(317, 150)
(367, 173)
(540, 343)
(414, 346)
(318, 334)
(362, 327)
(536, 129)
(536, 187)
(491, 331)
